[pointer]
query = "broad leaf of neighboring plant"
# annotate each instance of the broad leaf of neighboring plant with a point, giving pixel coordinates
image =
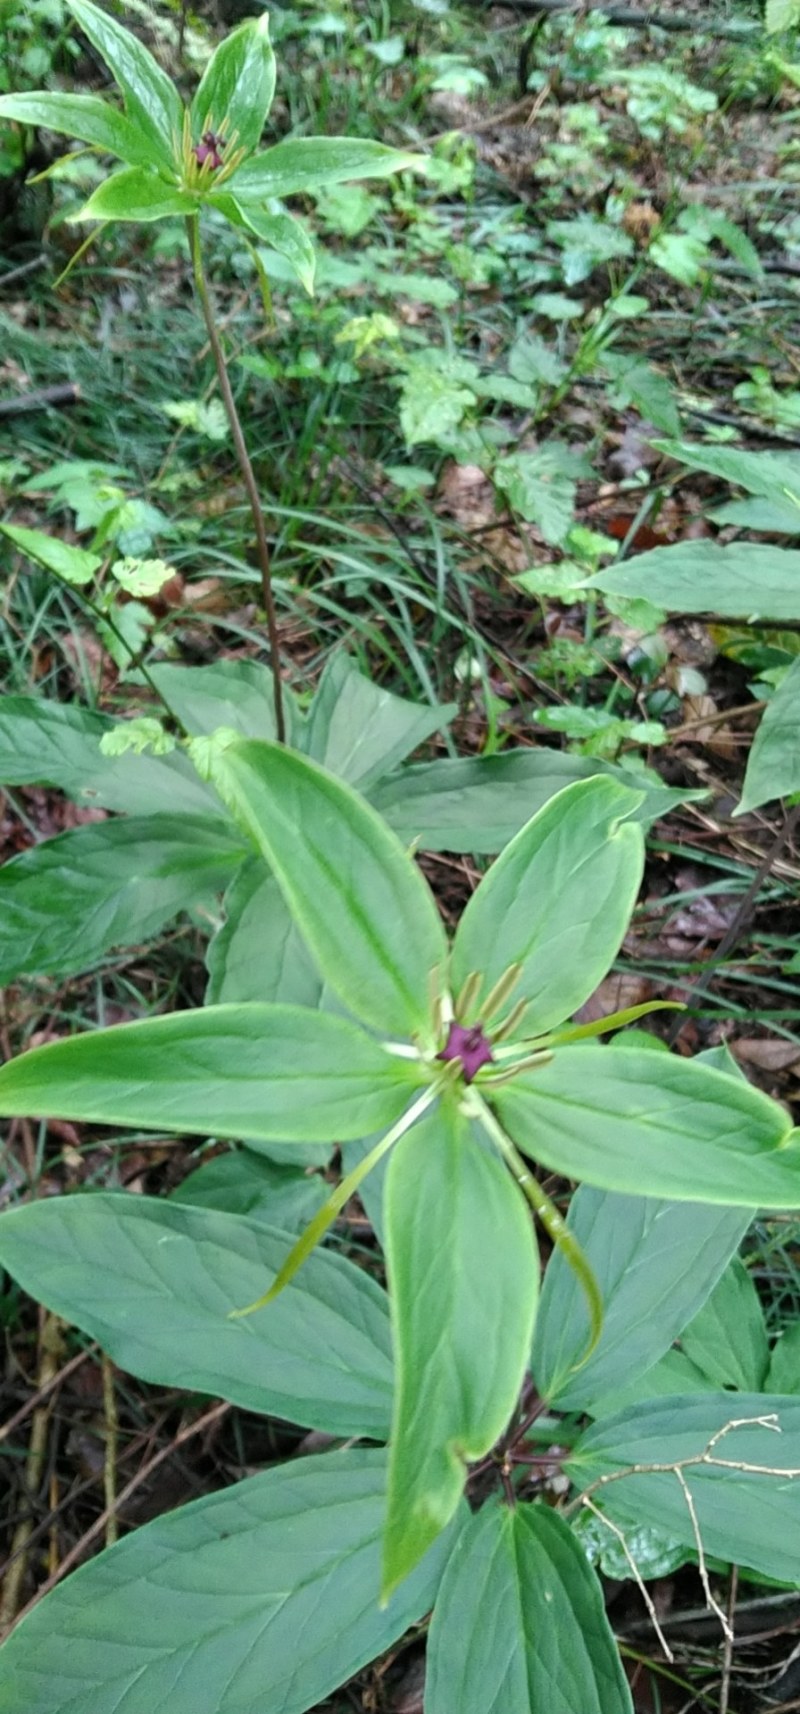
(479, 803)
(264, 1596)
(74, 565)
(727, 1339)
(773, 765)
(259, 954)
(747, 580)
(273, 1073)
(360, 731)
(463, 1274)
(236, 694)
(519, 1625)
(655, 1263)
(362, 905)
(737, 1453)
(557, 902)
(653, 1124)
(154, 1283)
(47, 743)
(66, 901)
(244, 1182)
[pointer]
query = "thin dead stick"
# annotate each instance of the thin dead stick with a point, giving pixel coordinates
(34, 1469)
(77, 1552)
(110, 1457)
(645, 1594)
(66, 393)
(713, 1605)
(732, 935)
(44, 1390)
(727, 1651)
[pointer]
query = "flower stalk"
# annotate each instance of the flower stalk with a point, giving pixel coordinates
(245, 465)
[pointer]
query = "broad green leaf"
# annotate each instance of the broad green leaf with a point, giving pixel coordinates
(237, 86)
(306, 163)
(432, 402)
(773, 765)
(775, 517)
(519, 1625)
(463, 1273)
(57, 744)
(360, 731)
(262, 1597)
(781, 15)
(243, 1182)
(672, 1374)
(135, 194)
(655, 1125)
(85, 117)
(272, 1073)
(747, 580)
(748, 1516)
(74, 565)
(67, 901)
(362, 906)
(154, 1283)
(784, 1368)
(541, 487)
(773, 475)
(236, 694)
(653, 1554)
(479, 803)
(151, 100)
(557, 902)
(727, 1339)
(282, 232)
(655, 1263)
(258, 954)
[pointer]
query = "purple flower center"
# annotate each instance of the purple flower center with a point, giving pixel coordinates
(208, 151)
(470, 1046)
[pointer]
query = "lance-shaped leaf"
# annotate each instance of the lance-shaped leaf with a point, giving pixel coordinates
(65, 902)
(262, 1597)
(557, 902)
(135, 194)
(237, 86)
(308, 163)
(154, 1282)
(358, 899)
(282, 232)
(151, 100)
(464, 1276)
(85, 117)
(655, 1263)
(519, 1625)
(773, 765)
(739, 1457)
(654, 1125)
(273, 1073)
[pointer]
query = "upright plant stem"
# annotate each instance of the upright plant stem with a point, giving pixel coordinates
(243, 456)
